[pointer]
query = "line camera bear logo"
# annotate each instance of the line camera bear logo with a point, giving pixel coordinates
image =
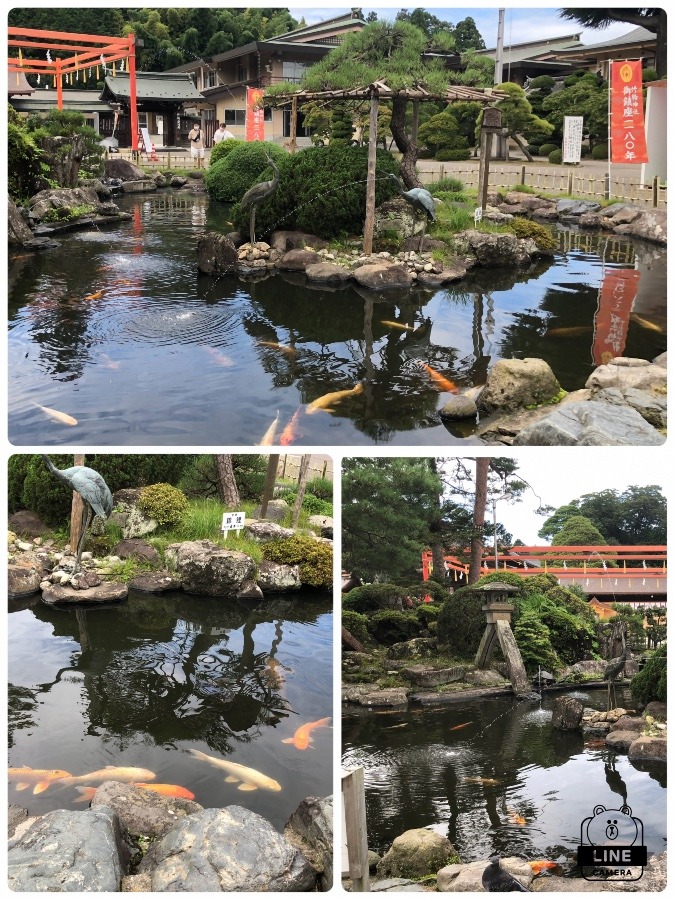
(611, 846)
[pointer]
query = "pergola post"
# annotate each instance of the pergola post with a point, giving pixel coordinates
(294, 124)
(369, 225)
(492, 124)
(59, 84)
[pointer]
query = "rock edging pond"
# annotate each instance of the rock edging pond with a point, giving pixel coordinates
(134, 840)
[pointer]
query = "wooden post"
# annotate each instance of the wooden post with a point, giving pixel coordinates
(655, 191)
(133, 111)
(76, 510)
(570, 183)
(522, 174)
(294, 124)
(369, 225)
(270, 479)
(356, 836)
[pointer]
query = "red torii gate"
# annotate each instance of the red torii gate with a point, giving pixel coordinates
(88, 50)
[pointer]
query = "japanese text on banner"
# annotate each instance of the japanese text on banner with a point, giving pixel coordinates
(629, 143)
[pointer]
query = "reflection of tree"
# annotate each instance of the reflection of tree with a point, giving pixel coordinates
(199, 673)
(21, 707)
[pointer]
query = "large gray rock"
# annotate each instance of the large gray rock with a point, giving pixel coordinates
(497, 251)
(651, 748)
(62, 200)
(18, 231)
(518, 383)
(216, 253)
(116, 167)
(567, 713)
(298, 260)
(154, 582)
(466, 877)
(590, 424)
(392, 697)
(310, 829)
(382, 276)
(129, 516)
(69, 851)
(328, 273)
(22, 581)
(27, 523)
(203, 568)
(274, 578)
(652, 225)
(415, 854)
(628, 372)
(620, 740)
(135, 549)
(230, 849)
(267, 531)
(57, 594)
(143, 811)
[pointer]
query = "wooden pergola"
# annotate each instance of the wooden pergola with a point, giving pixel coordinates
(85, 52)
(373, 94)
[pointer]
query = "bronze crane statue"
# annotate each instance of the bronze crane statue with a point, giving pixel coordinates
(613, 669)
(95, 493)
(257, 194)
(418, 198)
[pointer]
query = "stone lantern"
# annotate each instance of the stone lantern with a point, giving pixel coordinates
(498, 611)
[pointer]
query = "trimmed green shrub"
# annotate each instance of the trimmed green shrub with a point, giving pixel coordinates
(322, 190)
(464, 606)
(540, 234)
(315, 558)
(585, 151)
(650, 683)
(24, 169)
(373, 597)
(222, 149)
(458, 154)
(230, 177)
(427, 613)
(571, 637)
(555, 157)
(357, 625)
(534, 150)
(545, 149)
(534, 642)
(391, 627)
(438, 592)
(600, 151)
(163, 503)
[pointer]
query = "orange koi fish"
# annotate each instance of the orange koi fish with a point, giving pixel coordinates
(109, 363)
(516, 818)
(652, 326)
(284, 348)
(270, 434)
(477, 780)
(457, 727)
(167, 790)
(334, 397)
(290, 433)
(442, 383)
(220, 359)
(572, 331)
(95, 296)
(391, 324)
(301, 739)
(55, 414)
(41, 778)
(540, 865)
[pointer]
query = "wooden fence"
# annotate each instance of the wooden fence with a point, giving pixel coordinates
(556, 181)
(319, 467)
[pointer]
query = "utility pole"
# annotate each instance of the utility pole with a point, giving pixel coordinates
(500, 149)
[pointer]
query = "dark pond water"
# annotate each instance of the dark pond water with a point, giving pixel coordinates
(421, 774)
(140, 683)
(117, 329)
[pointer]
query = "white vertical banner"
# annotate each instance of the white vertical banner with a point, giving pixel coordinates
(573, 132)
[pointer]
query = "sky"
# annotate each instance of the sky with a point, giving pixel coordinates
(522, 22)
(561, 474)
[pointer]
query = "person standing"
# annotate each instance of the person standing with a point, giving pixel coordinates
(222, 134)
(196, 139)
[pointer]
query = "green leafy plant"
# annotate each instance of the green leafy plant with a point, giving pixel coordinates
(357, 625)
(391, 627)
(164, 503)
(651, 683)
(373, 597)
(230, 177)
(315, 558)
(540, 234)
(222, 149)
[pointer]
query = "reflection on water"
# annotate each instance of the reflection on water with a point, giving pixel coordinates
(142, 683)
(118, 330)
(505, 782)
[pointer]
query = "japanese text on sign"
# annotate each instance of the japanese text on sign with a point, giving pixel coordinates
(629, 144)
(255, 116)
(572, 135)
(232, 522)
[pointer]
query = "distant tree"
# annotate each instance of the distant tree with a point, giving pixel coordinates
(517, 117)
(441, 132)
(651, 18)
(467, 36)
(581, 96)
(578, 530)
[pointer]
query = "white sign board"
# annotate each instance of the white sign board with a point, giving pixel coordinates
(477, 214)
(147, 143)
(232, 522)
(573, 132)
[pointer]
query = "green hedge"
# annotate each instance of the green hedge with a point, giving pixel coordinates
(373, 597)
(357, 625)
(545, 149)
(391, 627)
(555, 157)
(650, 683)
(322, 191)
(600, 151)
(229, 178)
(223, 149)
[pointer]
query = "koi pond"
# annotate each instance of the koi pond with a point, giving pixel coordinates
(494, 777)
(117, 330)
(144, 683)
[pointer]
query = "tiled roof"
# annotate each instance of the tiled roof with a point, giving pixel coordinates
(153, 86)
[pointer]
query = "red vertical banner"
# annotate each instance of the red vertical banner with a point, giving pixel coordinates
(255, 117)
(629, 144)
(617, 293)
